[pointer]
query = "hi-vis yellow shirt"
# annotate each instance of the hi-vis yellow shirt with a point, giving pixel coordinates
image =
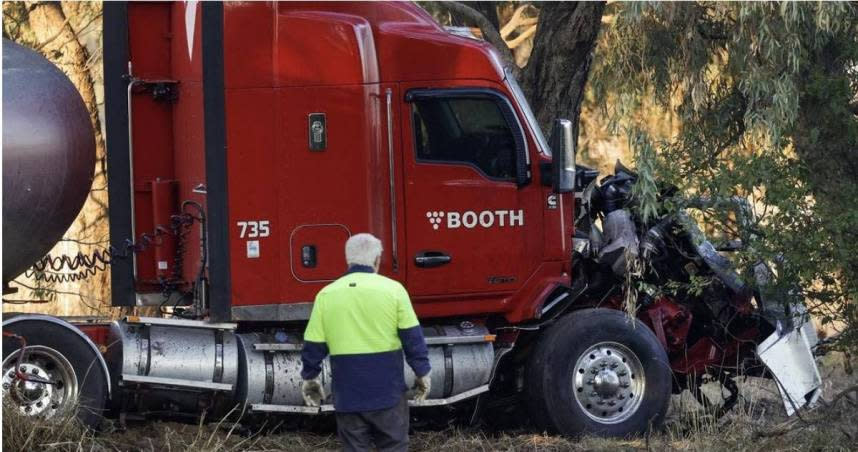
(365, 321)
(361, 313)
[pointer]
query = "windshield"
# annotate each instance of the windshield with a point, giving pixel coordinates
(528, 115)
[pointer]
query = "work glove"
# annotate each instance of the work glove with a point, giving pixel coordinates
(421, 388)
(313, 392)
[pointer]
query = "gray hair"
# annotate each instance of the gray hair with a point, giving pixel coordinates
(363, 249)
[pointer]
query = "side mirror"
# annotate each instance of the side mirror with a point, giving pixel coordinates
(563, 156)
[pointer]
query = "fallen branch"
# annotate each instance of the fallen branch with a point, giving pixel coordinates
(844, 394)
(781, 429)
(798, 422)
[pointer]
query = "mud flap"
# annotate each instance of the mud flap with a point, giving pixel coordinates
(789, 358)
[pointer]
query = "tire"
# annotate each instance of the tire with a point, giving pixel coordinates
(58, 353)
(584, 376)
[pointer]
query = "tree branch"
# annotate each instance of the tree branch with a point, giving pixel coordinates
(53, 37)
(82, 297)
(491, 34)
(841, 395)
(524, 36)
(516, 21)
(77, 33)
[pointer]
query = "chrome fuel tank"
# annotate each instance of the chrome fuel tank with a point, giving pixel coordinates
(178, 364)
(270, 372)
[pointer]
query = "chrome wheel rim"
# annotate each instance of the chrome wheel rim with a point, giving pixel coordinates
(608, 382)
(36, 398)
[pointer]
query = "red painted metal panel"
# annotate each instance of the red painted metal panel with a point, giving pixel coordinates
(186, 59)
(98, 332)
(188, 152)
(305, 44)
(152, 133)
(249, 40)
(496, 241)
(284, 61)
(188, 143)
(327, 241)
(407, 54)
(324, 48)
(167, 135)
(163, 207)
(525, 303)
(256, 183)
(348, 183)
(189, 160)
(149, 38)
(344, 184)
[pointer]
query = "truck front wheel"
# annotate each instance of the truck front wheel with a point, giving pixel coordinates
(595, 372)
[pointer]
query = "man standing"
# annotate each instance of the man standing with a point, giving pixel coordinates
(365, 321)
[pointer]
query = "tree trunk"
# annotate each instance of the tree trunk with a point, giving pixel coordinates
(822, 135)
(826, 140)
(58, 41)
(490, 10)
(556, 73)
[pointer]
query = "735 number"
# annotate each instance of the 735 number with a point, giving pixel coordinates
(253, 229)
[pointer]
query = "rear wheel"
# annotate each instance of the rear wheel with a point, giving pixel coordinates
(594, 372)
(58, 374)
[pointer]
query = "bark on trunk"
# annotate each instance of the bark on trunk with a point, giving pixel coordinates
(826, 141)
(490, 33)
(558, 67)
(59, 43)
(57, 39)
(556, 73)
(821, 137)
(490, 10)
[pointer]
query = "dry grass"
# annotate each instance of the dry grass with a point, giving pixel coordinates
(22, 433)
(757, 423)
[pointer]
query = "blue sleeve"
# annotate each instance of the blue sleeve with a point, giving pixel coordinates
(311, 358)
(416, 353)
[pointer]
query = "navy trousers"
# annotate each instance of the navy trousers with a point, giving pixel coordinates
(386, 429)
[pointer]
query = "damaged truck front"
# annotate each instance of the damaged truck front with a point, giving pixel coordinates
(714, 322)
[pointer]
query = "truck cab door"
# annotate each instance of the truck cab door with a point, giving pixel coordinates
(473, 218)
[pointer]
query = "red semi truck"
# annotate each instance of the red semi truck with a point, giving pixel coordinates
(247, 141)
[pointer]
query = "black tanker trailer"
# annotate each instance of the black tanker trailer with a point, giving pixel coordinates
(48, 157)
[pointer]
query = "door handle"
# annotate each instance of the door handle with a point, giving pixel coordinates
(429, 259)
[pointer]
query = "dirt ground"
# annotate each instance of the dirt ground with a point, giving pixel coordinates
(757, 423)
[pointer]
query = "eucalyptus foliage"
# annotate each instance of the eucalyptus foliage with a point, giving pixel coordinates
(764, 94)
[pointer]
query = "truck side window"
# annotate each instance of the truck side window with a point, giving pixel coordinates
(465, 130)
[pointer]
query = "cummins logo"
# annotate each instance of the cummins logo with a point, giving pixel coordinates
(470, 219)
